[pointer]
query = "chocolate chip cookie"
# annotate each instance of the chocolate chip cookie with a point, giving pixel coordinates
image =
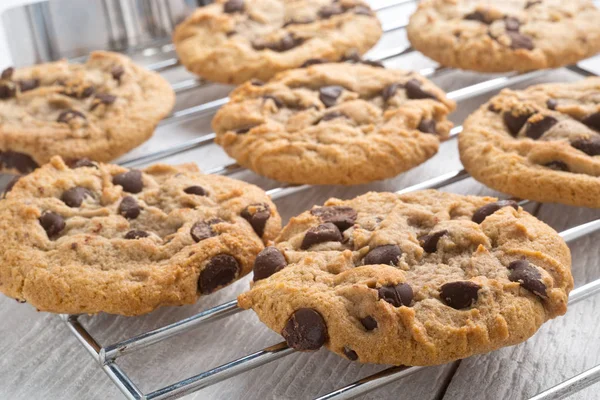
(91, 237)
(415, 279)
(334, 123)
(98, 110)
(542, 143)
(236, 40)
(508, 35)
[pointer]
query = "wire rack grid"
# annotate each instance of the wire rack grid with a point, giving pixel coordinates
(107, 355)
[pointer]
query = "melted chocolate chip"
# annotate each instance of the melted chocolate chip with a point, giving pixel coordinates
(326, 232)
(257, 215)
(67, 115)
(397, 295)
(351, 354)
(269, 261)
(528, 276)
(7, 90)
(427, 126)
(429, 242)
(233, 6)
(131, 181)
(19, 161)
(74, 197)
(286, 43)
(129, 207)
(220, 270)
(557, 166)
(305, 330)
(201, 231)
(512, 24)
(7, 73)
(314, 61)
(28, 84)
(278, 103)
(390, 90)
(117, 72)
(136, 234)
(196, 190)
(388, 254)
(461, 294)
(81, 162)
(551, 104)
(52, 223)
(514, 123)
(519, 41)
(535, 130)
(331, 10)
(369, 323)
(593, 121)
(591, 146)
(483, 212)
(329, 95)
(476, 16)
(341, 216)
(415, 91)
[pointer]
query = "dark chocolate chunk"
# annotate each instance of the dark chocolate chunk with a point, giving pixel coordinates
(476, 16)
(397, 295)
(106, 98)
(305, 330)
(528, 276)
(7, 90)
(369, 323)
(286, 43)
(314, 61)
(117, 72)
(414, 90)
(233, 6)
(427, 126)
(201, 231)
(351, 354)
(331, 10)
(551, 104)
(519, 41)
(131, 181)
(8, 73)
(514, 123)
(278, 103)
(460, 294)
(19, 161)
(81, 162)
(591, 146)
(483, 212)
(535, 130)
(557, 166)
(257, 215)
(326, 232)
(269, 261)
(129, 207)
(429, 242)
(593, 121)
(329, 95)
(28, 84)
(530, 4)
(75, 196)
(388, 254)
(390, 90)
(220, 270)
(52, 223)
(257, 82)
(341, 216)
(512, 24)
(136, 234)
(196, 190)
(67, 115)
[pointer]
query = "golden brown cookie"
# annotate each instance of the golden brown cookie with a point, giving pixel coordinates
(542, 143)
(97, 110)
(507, 35)
(334, 123)
(236, 40)
(100, 238)
(415, 279)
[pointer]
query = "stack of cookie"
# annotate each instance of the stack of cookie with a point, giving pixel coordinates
(414, 279)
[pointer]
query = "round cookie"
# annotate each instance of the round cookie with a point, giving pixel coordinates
(542, 143)
(100, 238)
(97, 110)
(508, 35)
(334, 123)
(415, 279)
(236, 40)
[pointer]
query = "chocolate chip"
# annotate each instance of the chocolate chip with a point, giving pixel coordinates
(28, 84)
(268, 261)
(131, 181)
(8, 73)
(257, 82)
(476, 16)
(341, 216)
(390, 90)
(136, 234)
(332, 115)
(557, 166)
(305, 330)
(331, 10)
(460, 294)
(106, 98)
(388, 254)
(278, 103)
(427, 126)
(326, 232)
(591, 146)
(551, 104)
(117, 72)
(369, 323)
(7, 90)
(302, 21)
(10, 185)
(196, 190)
(415, 91)
(201, 231)
(483, 212)
(376, 64)
(519, 41)
(257, 214)
(593, 121)
(514, 123)
(429, 242)
(220, 270)
(535, 130)
(528, 276)
(129, 207)
(81, 162)
(88, 91)
(353, 56)
(512, 24)
(493, 108)
(530, 4)
(52, 223)
(362, 10)
(233, 6)
(75, 196)
(19, 161)
(314, 61)
(351, 354)
(397, 295)
(67, 115)
(329, 95)
(286, 43)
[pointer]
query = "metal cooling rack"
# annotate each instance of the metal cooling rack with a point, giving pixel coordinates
(107, 355)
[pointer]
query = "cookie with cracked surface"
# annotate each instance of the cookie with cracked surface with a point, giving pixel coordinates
(335, 123)
(542, 143)
(508, 35)
(100, 238)
(237, 40)
(97, 110)
(415, 279)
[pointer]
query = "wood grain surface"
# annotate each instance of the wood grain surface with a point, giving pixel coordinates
(40, 359)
